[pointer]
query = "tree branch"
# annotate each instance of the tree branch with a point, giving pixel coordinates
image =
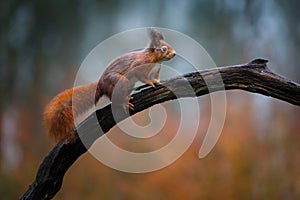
(253, 77)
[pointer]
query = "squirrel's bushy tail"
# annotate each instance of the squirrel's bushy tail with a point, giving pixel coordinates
(58, 114)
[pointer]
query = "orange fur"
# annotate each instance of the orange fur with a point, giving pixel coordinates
(119, 76)
(58, 114)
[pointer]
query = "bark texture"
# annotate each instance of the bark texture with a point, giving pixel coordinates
(253, 77)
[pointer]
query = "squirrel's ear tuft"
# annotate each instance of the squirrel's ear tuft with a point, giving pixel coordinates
(155, 37)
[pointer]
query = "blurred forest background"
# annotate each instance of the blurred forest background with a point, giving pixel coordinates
(43, 43)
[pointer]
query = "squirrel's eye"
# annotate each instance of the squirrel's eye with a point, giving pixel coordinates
(164, 48)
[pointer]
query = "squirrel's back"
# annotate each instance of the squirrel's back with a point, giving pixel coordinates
(58, 114)
(119, 77)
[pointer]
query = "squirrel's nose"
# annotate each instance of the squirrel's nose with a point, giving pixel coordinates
(173, 53)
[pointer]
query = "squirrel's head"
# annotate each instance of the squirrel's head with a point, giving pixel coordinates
(162, 50)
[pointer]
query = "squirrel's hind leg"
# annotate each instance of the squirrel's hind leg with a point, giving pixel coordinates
(120, 94)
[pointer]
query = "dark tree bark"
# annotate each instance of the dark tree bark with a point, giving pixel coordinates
(253, 77)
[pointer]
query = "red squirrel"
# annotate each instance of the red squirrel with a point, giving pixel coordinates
(118, 78)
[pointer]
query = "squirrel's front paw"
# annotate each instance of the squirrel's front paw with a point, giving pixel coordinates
(156, 81)
(150, 82)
